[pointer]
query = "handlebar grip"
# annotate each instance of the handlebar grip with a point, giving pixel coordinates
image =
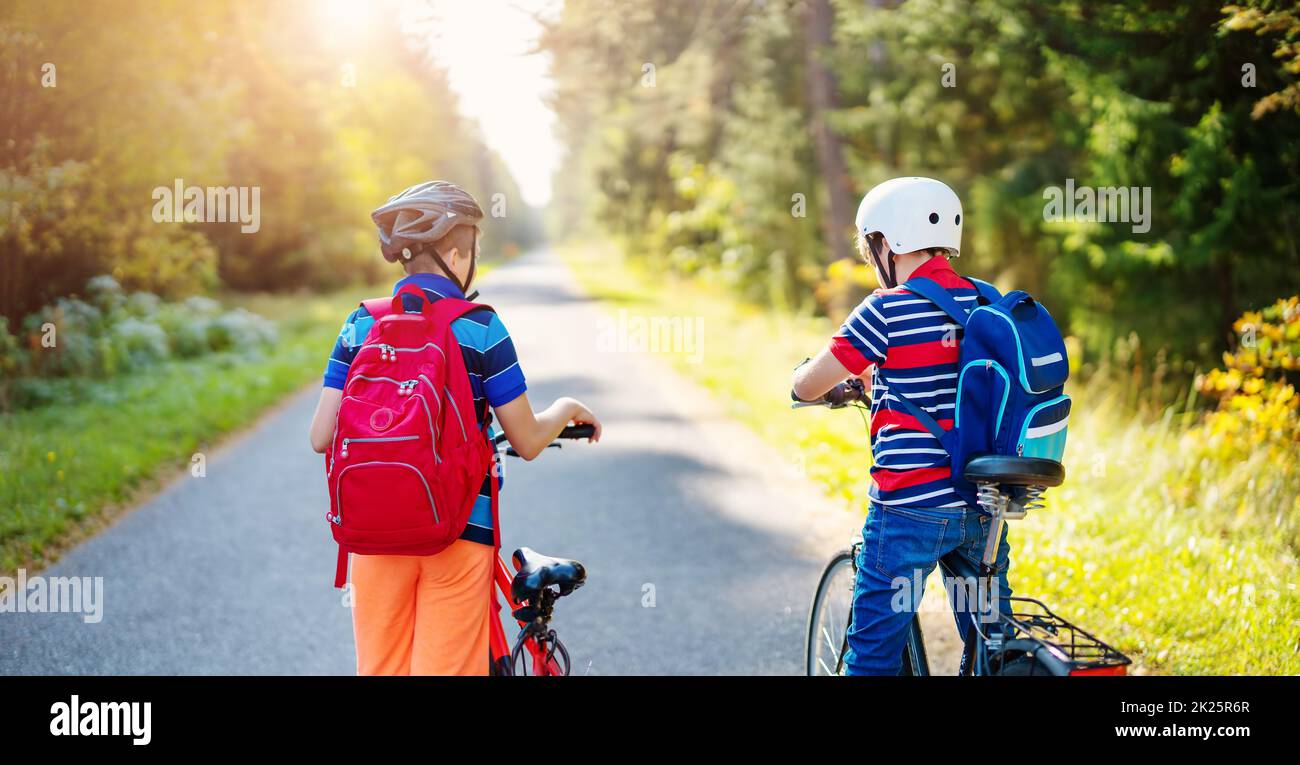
(577, 431)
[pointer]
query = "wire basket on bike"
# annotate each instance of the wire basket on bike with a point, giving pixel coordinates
(1034, 628)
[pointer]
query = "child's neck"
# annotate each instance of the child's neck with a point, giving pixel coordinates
(907, 264)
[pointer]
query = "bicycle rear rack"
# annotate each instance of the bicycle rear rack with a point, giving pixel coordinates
(1073, 647)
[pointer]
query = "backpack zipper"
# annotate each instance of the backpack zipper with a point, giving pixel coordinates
(370, 440)
(389, 352)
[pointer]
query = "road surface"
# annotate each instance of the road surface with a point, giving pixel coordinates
(702, 547)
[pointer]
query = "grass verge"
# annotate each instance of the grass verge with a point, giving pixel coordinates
(65, 470)
(1185, 563)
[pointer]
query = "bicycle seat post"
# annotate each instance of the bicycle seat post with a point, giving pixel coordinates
(995, 501)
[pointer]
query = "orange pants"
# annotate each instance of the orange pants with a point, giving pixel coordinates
(423, 614)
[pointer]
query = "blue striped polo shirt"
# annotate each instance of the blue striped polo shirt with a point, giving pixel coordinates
(494, 374)
(914, 348)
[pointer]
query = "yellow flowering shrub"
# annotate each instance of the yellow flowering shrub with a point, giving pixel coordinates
(844, 282)
(1258, 409)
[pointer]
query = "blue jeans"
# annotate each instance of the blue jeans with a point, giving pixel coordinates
(900, 547)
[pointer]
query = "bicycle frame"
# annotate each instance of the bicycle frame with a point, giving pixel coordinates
(543, 663)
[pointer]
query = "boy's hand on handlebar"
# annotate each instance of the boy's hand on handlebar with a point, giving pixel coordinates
(584, 416)
(839, 396)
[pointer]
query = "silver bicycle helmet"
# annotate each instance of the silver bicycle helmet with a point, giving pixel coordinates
(422, 215)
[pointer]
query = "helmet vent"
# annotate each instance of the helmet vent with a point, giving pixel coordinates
(934, 217)
(957, 221)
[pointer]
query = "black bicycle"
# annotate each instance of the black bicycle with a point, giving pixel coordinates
(1031, 640)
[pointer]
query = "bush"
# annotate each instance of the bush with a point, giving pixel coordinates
(112, 332)
(1257, 404)
(239, 329)
(137, 343)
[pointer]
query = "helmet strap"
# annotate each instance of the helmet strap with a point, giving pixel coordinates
(473, 267)
(437, 258)
(890, 275)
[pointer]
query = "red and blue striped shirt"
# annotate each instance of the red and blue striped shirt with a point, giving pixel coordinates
(913, 347)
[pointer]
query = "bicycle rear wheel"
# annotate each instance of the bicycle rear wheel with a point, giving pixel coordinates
(830, 617)
(1020, 666)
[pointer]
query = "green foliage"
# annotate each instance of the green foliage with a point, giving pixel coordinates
(689, 139)
(112, 333)
(326, 123)
(697, 173)
(63, 467)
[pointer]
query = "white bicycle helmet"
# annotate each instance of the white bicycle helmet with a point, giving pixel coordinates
(913, 214)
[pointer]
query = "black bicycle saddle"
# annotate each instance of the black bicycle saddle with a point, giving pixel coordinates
(537, 571)
(1014, 471)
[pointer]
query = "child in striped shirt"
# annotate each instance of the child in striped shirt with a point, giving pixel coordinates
(905, 346)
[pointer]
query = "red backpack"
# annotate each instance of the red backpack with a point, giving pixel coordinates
(409, 456)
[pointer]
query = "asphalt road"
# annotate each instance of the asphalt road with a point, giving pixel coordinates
(702, 546)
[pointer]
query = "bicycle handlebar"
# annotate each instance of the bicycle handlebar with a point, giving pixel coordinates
(842, 395)
(577, 431)
(570, 432)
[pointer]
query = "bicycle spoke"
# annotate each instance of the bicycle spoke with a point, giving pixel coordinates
(830, 639)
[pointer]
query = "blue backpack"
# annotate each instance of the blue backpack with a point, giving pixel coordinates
(1010, 384)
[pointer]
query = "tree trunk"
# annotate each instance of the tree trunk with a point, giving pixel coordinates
(837, 215)
(837, 219)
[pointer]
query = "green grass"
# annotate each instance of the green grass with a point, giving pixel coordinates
(1186, 563)
(65, 468)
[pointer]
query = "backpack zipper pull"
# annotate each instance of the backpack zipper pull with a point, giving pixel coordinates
(344, 451)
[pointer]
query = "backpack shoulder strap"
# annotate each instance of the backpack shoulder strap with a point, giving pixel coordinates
(921, 416)
(448, 309)
(988, 293)
(378, 307)
(930, 290)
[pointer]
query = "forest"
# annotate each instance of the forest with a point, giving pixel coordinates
(733, 140)
(106, 104)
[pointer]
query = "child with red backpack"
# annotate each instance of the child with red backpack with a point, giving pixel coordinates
(404, 421)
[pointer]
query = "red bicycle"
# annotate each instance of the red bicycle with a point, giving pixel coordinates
(539, 580)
